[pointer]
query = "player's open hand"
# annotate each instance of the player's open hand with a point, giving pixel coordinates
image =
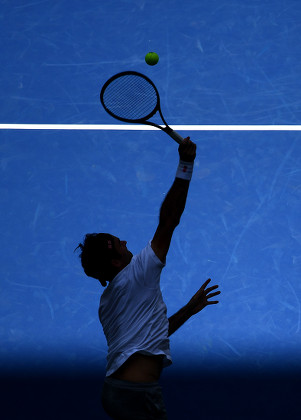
(200, 300)
(187, 150)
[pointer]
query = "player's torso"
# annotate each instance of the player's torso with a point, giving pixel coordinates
(140, 368)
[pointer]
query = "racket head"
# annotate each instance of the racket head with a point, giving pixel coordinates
(130, 96)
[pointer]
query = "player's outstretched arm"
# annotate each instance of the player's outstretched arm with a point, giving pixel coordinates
(198, 302)
(174, 203)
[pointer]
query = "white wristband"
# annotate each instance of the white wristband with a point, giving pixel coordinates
(184, 170)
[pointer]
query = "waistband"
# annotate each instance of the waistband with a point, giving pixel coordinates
(117, 383)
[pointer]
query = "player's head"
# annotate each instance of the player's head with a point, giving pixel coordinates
(103, 256)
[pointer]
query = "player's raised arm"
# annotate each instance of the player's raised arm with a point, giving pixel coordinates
(174, 203)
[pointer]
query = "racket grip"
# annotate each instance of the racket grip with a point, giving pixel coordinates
(174, 135)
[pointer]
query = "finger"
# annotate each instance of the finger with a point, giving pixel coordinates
(213, 294)
(205, 284)
(214, 302)
(191, 147)
(211, 288)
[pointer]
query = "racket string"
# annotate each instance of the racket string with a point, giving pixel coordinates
(130, 97)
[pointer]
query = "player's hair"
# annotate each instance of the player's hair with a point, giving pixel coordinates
(97, 252)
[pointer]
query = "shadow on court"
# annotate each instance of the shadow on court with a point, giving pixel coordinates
(240, 395)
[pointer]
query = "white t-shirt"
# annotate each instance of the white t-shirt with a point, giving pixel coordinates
(133, 314)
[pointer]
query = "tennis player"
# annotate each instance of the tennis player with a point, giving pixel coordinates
(132, 311)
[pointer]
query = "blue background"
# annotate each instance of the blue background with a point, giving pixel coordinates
(220, 63)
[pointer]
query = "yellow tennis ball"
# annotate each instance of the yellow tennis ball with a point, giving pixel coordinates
(151, 58)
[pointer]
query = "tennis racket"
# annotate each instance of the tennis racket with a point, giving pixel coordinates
(132, 97)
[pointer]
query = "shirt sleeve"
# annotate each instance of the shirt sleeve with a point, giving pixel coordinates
(147, 267)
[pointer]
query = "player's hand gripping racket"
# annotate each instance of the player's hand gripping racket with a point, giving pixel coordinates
(132, 97)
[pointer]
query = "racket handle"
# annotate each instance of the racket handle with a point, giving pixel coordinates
(174, 135)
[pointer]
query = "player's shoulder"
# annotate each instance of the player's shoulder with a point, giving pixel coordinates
(148, 256)
(161, 240)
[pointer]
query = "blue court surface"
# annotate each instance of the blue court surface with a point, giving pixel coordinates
(221, 63)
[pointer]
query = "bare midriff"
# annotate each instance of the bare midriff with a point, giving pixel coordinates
(140, 368)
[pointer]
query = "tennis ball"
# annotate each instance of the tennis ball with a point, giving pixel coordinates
(151, 58)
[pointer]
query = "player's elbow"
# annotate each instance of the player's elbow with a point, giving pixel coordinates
(169, 221)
